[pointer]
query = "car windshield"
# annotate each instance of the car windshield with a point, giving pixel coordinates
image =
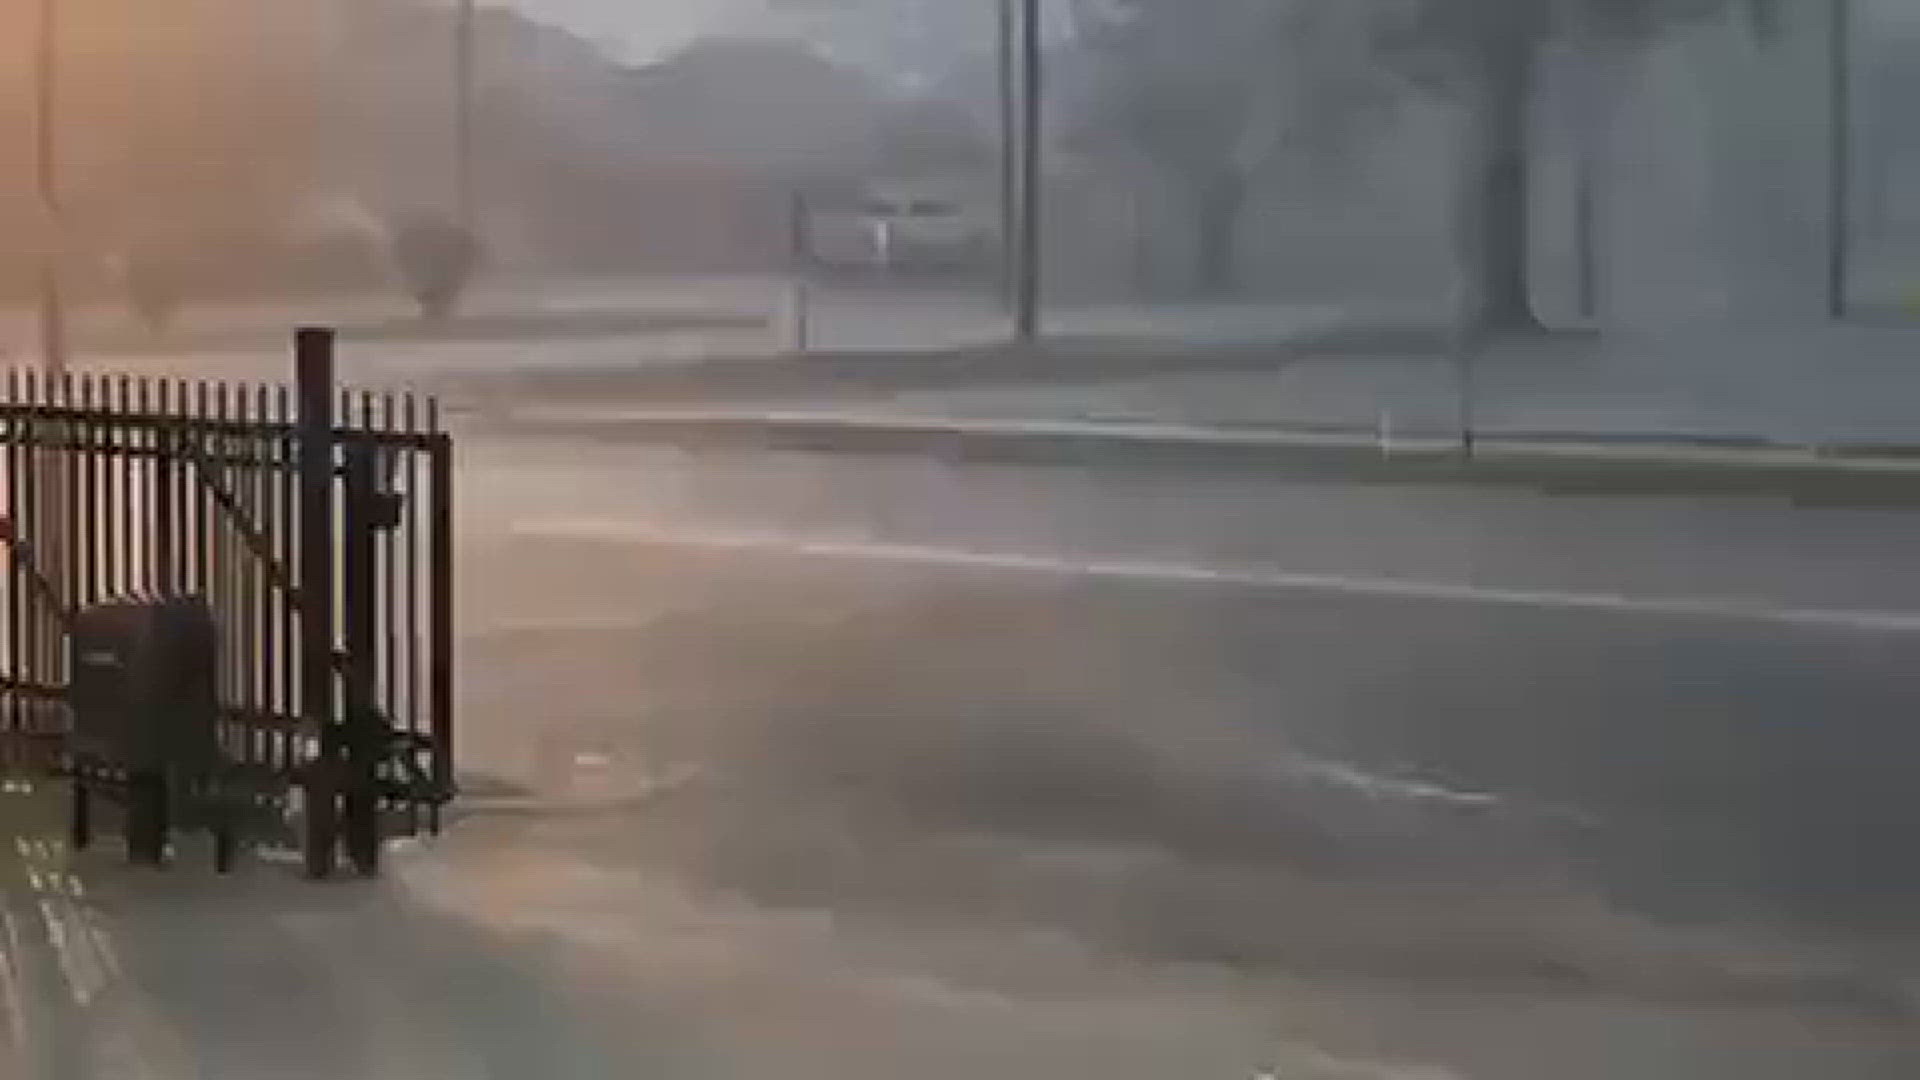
(970, 539)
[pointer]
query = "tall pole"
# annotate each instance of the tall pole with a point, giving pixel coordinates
(1839, 154)
(1027, 298)
(1586, 225)
(1009, 149)
(314, 455)
(53, 337)
(463, 197)
(52, 495)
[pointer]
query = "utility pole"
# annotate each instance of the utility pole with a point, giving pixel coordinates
(51, 488)
(1027, 298)
(463, 94)
(1009, 149)
(1839, 154)
(53, 330)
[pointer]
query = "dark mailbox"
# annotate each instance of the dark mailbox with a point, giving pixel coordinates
(145, 691)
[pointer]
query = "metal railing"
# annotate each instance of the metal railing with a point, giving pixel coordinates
(313, 520)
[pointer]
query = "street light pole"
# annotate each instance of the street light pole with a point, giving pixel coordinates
(1839, 154)
(1027, 291)
(53, 337)
(1009, 148)
(50, 493)
(463, 197)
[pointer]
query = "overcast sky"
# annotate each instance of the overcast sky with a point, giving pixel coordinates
(921, 39)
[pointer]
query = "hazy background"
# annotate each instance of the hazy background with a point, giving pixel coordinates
(271, 147)
(1252, 756)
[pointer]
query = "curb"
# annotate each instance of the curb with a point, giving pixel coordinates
(1561, 463)
(1058, 359)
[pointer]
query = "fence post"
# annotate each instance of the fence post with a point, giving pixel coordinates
(313, 363)
(440, 611)
(360, 628)
(799, 258)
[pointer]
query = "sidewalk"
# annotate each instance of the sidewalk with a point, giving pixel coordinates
(945, 358)
(490, 956)
(701, 336)
(1814, 386)
(1270, 367)
(1813, 415)
(114, 973)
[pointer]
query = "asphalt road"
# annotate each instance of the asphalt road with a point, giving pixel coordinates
(1723, 681)
(1450, 746)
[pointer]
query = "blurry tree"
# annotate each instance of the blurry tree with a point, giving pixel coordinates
(1486, 54)
(931, 138)
(1204, 95)
(913, 43)
(436, 257)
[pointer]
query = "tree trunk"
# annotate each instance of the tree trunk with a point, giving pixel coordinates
(1216, 270)
(1495, 221)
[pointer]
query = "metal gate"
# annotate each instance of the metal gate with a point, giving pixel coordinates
(314, 521)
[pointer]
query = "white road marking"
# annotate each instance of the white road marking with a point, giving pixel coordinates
(1159, 572)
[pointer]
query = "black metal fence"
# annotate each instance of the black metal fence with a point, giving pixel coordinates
(314, 521)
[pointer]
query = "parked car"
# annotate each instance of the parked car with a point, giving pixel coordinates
(901, 230)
